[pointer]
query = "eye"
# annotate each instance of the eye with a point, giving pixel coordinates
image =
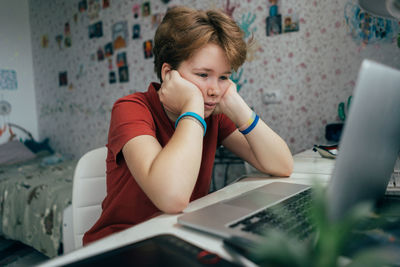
(224, 78)
(202, 75)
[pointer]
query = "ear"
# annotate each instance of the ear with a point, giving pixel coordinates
(165, 68)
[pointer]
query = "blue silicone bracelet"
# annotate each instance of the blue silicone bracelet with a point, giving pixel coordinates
(251, 127)
(194, 115)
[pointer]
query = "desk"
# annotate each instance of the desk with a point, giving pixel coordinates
(308, 166)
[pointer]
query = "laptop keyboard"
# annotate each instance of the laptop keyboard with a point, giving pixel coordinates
(290, 216)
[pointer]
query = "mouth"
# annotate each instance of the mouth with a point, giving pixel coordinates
(209, 105)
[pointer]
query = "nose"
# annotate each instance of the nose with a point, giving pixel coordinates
(213, 89)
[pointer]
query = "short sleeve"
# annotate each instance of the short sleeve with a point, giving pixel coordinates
(129, 118)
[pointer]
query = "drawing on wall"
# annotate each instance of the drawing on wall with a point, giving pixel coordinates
(365, 28)
(148, 49)
(96, 30)
(120, 34)
(8, 80)
(228, 9)
(62, 78)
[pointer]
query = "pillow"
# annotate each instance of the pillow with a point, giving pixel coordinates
(13, 152)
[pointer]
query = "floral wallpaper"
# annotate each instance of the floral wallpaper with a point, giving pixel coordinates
(88, 53)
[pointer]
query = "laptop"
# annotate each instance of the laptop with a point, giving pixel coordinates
(369, 147)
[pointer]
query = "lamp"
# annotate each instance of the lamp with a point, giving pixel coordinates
(382, 8)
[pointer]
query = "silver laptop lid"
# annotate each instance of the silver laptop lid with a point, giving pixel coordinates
(370, 141)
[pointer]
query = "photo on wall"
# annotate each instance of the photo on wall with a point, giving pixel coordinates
(63, 78)
(274, 25)
(123, 74)
(120, 34)
(290, 23)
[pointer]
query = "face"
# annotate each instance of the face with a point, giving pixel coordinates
(209, 70)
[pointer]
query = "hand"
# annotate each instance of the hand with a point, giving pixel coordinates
(227, 99)
(233, 105)
(179, 95)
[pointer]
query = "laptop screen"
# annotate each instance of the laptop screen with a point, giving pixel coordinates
(370, 141)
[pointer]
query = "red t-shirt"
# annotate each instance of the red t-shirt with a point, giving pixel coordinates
(142, 114)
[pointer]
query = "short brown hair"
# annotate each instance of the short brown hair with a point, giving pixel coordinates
(184, 30)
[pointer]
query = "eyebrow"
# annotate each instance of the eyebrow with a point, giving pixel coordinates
(210, 70)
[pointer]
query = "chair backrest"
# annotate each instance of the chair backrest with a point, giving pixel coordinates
(88, 191)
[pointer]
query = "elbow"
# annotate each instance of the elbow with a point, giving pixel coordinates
(287, 167)
(173, 204)
(283, 168)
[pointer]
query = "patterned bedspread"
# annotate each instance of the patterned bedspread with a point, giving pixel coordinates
(32, 200)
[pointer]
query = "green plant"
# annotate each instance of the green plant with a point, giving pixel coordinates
(329, 242)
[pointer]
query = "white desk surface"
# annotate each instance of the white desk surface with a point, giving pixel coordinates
(308, 166)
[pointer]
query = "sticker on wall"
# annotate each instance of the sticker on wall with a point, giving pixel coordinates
(123, 74)
(67, 34)
(59, 39)
(146, 10)
(44, 41)
(82, 6)
(398, 40)
(75, 18)
(290, 23)
(110, 65)
(100, 54)
(112, 77)
(93, 9)
(106, 4)
(81, 72)
(136, 11)
(5, 109)
(63, 78)
(148, 49)
(108, 50)
(274, 20)
(121, 59)
(120, 34)
(136, 31)
(96, 30)
(156, 20)
(8, 80)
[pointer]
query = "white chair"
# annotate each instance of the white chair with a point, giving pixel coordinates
(88, 191)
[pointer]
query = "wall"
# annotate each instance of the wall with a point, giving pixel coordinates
(312, 69)
(16, 55)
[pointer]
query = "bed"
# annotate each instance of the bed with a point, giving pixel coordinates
(34, 191)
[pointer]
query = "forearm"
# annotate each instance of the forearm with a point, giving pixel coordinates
(268, 152)
(173, 173)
